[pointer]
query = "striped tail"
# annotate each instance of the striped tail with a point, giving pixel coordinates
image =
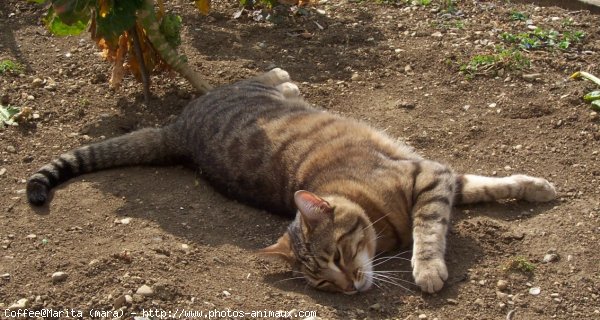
(472, 188)
(146, 146)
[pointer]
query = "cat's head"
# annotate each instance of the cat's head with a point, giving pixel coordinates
(331, 242)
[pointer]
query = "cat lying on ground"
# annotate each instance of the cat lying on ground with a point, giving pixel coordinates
(352, 190)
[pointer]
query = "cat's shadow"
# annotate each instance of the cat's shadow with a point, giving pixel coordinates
(187, 207)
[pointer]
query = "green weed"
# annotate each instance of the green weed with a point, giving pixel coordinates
(8, 66)
(510, 59)
(540, 38)
(450, 6)
(449, 25)
(518, 16)
(519, 264)
(566, 22)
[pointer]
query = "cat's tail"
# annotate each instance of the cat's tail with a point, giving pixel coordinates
(146, 146)
(473, 188)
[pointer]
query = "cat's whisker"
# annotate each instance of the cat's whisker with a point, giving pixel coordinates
(375, 284)
(288, 279)
(395, 279)
(379, 254)
(398, 254)
(388, 259)
(372, 223)
(393, 283)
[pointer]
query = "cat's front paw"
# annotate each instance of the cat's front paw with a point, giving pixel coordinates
(430, 274)
(536, 189)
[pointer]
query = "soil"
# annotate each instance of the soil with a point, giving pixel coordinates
(195, 248)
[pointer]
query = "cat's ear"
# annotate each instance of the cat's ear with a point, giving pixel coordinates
(282, 249)
(314, 210)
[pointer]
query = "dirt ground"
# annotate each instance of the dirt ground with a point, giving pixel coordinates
(393, 65)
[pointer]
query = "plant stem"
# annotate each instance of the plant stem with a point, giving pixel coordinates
(583, 74)
(140, 57)
(147, 19)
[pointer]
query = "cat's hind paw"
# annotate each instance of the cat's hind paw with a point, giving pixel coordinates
(274, 77)
(430, 274)
(288, 89)
(536, 189)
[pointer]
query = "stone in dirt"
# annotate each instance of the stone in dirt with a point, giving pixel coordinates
(550, 257)
(376, 307)
(124, 300)
(20, 304)
(502, 285)
(145, 291)
(59, 276)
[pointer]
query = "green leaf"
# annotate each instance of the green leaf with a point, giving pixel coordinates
(38, 1)
(73, 11)
(9, 66)
(596, 105)
(592, 96)
(6, 115)
(120, 18)
(170, 27)
(58, 26)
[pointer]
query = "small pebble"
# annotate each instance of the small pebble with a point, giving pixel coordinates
(502, 285)
(479, 302)
(5, 276)
(226, 293)
(437, 34)
(124, 300)
(145, 291)
(355, 77)
(501, 295)
(550, 257)
(531, 76)
(534, 291)
(405, 104)
(452, 301)
(11, 149)
(59, 276)
(422, 316)
(376, 307)
(20, 304)
(2, 171)
(31, 236)
(37, 82)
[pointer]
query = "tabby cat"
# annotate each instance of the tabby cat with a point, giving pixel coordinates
(258, 141)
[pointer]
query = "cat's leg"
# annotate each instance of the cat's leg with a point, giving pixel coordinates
(433, 194)
(274, 77)
(473, 188)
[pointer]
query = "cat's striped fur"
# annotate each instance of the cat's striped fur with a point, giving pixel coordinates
(258, 141)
